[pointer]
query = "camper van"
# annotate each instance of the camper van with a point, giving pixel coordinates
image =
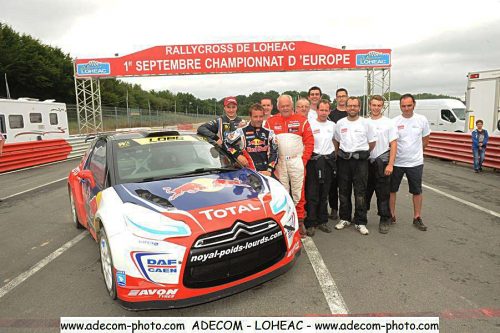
(442, 114)
(28, 119)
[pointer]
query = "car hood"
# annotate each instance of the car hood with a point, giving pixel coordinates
(194, 192)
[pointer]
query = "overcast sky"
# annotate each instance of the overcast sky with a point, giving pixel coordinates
(434, 43)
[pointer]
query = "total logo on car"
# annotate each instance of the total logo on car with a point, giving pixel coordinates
(178, 220)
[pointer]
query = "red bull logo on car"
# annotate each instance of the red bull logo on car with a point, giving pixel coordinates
(202, 185)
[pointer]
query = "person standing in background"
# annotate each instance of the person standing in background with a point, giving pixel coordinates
(219, 128)
(336, 114)
(314, 96)
(479, 142)
(302, 107)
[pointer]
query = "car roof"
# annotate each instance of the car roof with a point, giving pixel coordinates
(137, 134)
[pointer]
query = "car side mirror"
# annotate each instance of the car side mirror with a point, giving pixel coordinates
(87, 174)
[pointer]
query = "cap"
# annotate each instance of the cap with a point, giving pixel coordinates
(229, 100)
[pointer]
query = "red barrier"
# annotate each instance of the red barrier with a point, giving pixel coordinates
(25, 154)
(458, 147)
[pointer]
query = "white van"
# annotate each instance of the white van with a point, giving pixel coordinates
(445, 114)
(27, 119)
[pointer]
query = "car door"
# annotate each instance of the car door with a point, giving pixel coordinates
(96, 163)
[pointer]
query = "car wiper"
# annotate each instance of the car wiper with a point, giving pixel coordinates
(205, 170)
(193, 172)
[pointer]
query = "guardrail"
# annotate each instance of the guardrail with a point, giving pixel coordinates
(458, 147)
(25, 154)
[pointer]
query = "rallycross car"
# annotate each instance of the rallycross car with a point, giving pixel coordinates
(178, 220)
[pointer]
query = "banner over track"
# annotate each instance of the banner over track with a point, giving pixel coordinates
(233, 58)
(256, 57)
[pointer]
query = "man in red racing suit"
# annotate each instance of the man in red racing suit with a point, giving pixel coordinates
(295, 146)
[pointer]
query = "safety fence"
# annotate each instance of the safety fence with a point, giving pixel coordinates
(26, 154)
(458, 147)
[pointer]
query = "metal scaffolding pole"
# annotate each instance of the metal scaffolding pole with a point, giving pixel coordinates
(88, 105)
(379, 83)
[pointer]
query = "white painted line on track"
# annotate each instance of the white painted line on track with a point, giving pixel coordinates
(332, 294)
(473, 205)
(34, 188)
(42, 263)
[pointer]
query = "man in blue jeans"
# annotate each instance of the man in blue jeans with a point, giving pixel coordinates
(479, 142)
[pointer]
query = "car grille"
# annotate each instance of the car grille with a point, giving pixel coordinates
(232, 254)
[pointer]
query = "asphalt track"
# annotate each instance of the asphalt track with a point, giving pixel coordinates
(49, 269)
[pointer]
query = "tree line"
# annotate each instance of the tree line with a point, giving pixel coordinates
(37, 70)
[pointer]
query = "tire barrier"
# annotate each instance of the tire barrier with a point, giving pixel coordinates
(458, 147)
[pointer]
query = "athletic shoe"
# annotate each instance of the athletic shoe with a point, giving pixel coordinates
(362, 229)
(325, 228)
(417, 222)
(342, 224)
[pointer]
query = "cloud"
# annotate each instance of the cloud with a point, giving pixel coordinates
(440, 64)
(45, 20)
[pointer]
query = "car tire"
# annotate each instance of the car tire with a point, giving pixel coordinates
(74, 214)
(107, 264)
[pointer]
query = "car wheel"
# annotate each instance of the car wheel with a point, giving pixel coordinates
(107, 264)
(74, 215)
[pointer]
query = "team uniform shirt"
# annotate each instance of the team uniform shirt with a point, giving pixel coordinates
(323, 136)
(385, 130)
(219, 128)
(259, 143)
(312, 115)
(354, 135)
(410, 151)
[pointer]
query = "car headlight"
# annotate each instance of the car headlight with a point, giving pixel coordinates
(281, 203)
(149, 224)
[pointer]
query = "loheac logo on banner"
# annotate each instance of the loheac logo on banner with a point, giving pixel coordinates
(93, 68)
(373, 58)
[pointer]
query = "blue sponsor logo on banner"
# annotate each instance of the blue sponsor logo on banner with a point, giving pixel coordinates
(93, 68)
(373, 59)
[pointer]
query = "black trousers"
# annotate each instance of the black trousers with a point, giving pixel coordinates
(317, 192)
(351, 174)
(381, 185)
(333, 194)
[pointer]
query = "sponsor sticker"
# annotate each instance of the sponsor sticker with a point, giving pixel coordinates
(158, 267)
(160, 292)
(220, 253)
(121, 278)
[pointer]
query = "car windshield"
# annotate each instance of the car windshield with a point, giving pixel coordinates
(154, 158)
(460, 113)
